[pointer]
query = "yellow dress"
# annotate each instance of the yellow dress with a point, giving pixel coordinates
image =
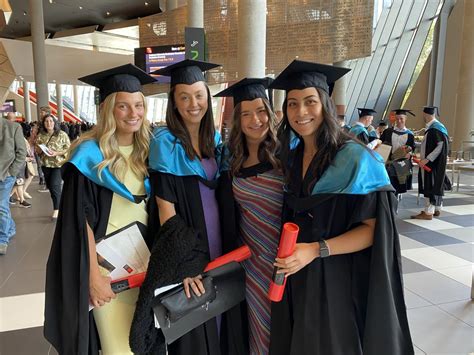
(114, 319)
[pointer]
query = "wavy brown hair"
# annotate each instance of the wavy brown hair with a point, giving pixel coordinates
(328, 138)
(175, 124)
(238, 142)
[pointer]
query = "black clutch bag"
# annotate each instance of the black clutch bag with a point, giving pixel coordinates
(177, 314)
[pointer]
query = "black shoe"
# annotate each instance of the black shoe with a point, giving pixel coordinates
(24, 204)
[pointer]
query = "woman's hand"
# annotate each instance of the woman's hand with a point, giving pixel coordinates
(304, 254)
(196, 284)
(100, 291)
(423, 162)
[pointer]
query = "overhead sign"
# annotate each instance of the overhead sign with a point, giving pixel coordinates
(194, 39)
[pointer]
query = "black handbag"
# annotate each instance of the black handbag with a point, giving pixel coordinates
(177, 314)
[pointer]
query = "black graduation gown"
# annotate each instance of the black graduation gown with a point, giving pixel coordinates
(433, 183)
(363, 137)
(68, 325)
(386, 138)
(343, 304)
(183, 192)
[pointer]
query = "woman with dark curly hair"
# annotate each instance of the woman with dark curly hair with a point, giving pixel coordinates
(253, 191)
(344, 291)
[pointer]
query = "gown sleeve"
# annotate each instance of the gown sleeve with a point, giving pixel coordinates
(164, 186)
(228, 213)
(363, 207)
(387, 330)
(69, 326)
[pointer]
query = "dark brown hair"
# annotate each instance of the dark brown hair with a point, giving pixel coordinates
(175, 124)
(238, 142)
(328, 138)
(56, 128)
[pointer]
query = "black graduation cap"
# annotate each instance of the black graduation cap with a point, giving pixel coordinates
(382, 123)
(430, 110)
(187, 71)
(366, 112)
(402, 111)
(300, 75)
(247, 89)
(128, 78)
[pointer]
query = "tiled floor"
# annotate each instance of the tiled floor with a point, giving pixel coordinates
(437, 256)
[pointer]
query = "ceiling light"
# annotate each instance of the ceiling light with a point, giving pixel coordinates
(50, 1)
(80, 7)
(108, 13)
(146, 3)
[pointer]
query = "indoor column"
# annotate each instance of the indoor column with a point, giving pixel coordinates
(39, 53)
(252, 30)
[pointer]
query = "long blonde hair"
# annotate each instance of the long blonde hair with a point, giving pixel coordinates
(104, 134)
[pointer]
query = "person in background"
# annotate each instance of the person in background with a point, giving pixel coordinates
(12, 158)
(382, 126)
(434, 154)
(402, 141)
(251, 196)
(341, 119)
(52, 145)
(359, 129)
(344, 292)
(372, 131)
(44, 111)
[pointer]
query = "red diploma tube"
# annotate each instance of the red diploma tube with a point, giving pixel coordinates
(285, 249)
(425, 168)
(238, 255)
(128, 282)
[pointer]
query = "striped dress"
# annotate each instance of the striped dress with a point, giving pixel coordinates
(259, 196)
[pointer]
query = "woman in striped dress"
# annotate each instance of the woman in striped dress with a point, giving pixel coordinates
(255, 181)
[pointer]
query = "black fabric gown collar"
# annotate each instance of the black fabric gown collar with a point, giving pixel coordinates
(254, 170)
(299, 186)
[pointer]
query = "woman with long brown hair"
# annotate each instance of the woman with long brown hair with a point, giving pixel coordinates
(344, 291)
(252, 193)
(184, 215)
(105, 187)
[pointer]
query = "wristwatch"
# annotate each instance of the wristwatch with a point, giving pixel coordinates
(324, 251)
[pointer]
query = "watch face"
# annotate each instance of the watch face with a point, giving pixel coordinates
(323, 249)
(324, 253)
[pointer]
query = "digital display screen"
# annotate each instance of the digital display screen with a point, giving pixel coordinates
(8, 106)
(150, 59)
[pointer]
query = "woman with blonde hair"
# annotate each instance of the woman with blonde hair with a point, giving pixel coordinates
(105, 188)
(251, 192)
